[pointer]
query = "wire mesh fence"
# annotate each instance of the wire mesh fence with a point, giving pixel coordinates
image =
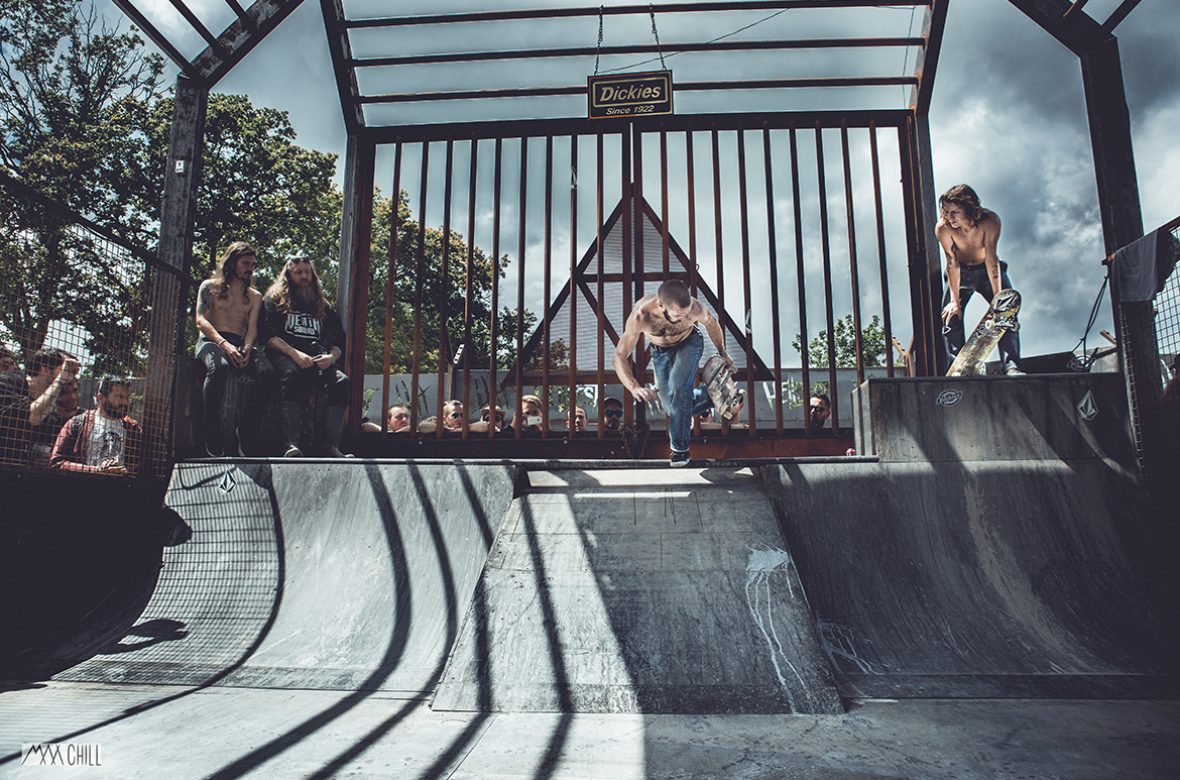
(76, 307)
(1167, 336)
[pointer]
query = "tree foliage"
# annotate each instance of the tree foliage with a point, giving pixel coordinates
(872, 343)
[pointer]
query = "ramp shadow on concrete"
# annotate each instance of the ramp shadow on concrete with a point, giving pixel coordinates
(648, 591)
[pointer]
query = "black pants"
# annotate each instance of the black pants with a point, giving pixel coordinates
(296, 384)
(974, 279)
(226, 390)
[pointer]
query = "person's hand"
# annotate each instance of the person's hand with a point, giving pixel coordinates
(728, 360)
(112, 467)
(323, 361)
(303, 360)
(645, 394)
(950, 311)
(239, 357)
(69, 370)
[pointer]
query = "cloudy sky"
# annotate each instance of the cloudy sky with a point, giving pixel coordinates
(1008, 114)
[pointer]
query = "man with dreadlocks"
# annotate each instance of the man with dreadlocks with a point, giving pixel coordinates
(304, 341)
(227, 319)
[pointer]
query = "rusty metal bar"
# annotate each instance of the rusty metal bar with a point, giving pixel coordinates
(926, 62)
(618, 10)
(390, 287)
(520, 241)
(744, 217)
(472, 176)
(772, 253)
(573, 293)
(664, 199)
(690, 165)
(827, 258)
(830, 82)
(493, 380)
(419, 271)
(852, 265)
(599, 308)
(800, 271)
(924, 340)
(717, 243)
(547, 275)
(639, 226)
(628, 215)
(881, 250)
(590, 51)
(444, 356)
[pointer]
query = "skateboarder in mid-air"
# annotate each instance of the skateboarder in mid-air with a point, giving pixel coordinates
(969, 234)
(669, 320)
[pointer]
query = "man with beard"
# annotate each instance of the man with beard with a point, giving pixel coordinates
(27, 398)
(227, 319)
(103, 440)
(304, 341)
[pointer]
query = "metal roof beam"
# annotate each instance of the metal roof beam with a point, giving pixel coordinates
(346, 85)
(1119, 15)
(621, 10)
(927, 60)
(240, 38)
(690, 86)
(194, 22)
(667, 48)
(157, 37)
(1077, 32)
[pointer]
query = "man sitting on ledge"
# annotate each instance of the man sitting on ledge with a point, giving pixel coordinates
(304, 341)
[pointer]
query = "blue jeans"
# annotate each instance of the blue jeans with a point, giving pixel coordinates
(675, 369)
(974, 279)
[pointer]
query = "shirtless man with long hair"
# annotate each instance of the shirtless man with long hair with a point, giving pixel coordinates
(227, 320)
(969, 234)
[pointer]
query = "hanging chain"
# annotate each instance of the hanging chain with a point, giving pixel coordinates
(598, 51)
(651, 9)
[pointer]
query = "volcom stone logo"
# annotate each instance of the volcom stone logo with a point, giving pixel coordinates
(949, 397)
(1087, 407)
(228, 483)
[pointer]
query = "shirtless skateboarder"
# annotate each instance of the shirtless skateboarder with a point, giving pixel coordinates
(227, 319)
(969, 234)
(669, 321)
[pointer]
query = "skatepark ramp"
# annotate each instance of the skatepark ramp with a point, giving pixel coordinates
(639, 590)
(330, 575)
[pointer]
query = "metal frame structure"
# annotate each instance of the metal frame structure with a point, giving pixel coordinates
(1094, 44)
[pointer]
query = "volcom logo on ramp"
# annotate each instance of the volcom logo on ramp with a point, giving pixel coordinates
(949, 397)
(1088, 407)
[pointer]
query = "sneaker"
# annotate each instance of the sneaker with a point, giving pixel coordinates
(1013, 370)
(293, 451)
(678, 459)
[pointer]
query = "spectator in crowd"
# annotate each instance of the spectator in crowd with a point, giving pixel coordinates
(579, 419)
(7, 360)
(103, 440)
(227, 321)
(304, 341)
(452, 419)
(27, 399)
(612, 414)
(45, 434)
(820, 409)
(531, 414)
(397, 419)
(1171, 395)
(485, 420)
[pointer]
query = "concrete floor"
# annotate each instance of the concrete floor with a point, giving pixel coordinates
(175, 732)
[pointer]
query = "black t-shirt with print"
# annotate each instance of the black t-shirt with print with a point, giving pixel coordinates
(15, 431)
(303, 331)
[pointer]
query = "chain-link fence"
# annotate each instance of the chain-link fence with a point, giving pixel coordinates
(76, 308)
(1147, 308)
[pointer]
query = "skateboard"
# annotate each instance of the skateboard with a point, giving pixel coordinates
(999, 319)
(722, 389)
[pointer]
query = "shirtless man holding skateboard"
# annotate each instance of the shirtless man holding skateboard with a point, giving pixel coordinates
(969, 234)
(669, 320)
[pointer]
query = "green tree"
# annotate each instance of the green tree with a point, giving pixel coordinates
(433, 288)
(72, 92)
(872, 337)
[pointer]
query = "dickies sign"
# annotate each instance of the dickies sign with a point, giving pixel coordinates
(629, 94)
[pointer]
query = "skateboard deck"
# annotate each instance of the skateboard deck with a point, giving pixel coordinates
(998, 320)
(723, 391)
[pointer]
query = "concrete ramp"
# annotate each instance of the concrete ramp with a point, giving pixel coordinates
(978, 579)
(639, 591)
(322, 575)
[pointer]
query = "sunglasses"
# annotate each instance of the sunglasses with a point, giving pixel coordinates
(612, 413)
